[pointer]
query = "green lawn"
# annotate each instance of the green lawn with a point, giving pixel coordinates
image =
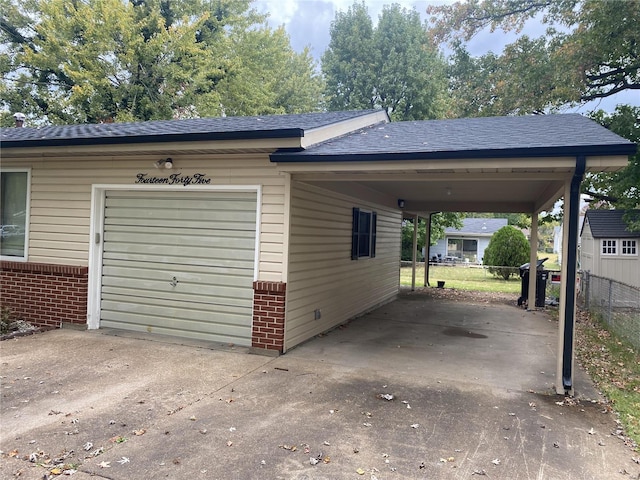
(462, 278)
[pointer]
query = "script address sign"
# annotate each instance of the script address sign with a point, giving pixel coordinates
(174, 179)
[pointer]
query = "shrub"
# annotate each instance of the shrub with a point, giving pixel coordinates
(5, 320)
(508, 248)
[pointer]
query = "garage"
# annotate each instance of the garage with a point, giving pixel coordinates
(179, 263)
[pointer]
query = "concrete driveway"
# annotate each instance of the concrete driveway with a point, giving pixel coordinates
(469, 387)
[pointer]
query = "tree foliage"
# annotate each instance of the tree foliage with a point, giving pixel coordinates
(620, 190)
(590, 50)
(88, 61)
(393, 65)
(507, 248)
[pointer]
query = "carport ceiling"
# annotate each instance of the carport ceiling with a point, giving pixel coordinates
(496, 164)
(458, 193)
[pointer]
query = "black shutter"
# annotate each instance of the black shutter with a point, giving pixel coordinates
(355, 231)
(374, 219)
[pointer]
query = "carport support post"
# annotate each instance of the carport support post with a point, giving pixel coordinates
(533, 262)
(415, 252)
(567, 313)
(427, 244)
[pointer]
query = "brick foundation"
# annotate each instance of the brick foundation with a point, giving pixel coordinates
(268, 315)
(43, 294)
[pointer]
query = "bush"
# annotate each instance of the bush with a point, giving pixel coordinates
(5, 320)
(508, 248)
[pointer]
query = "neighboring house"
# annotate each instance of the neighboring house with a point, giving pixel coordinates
(609, 249)
(468, 243)
(258, 231)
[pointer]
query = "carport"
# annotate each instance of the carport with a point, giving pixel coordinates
(501, 164)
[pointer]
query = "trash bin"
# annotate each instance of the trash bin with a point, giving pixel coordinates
(541, 283)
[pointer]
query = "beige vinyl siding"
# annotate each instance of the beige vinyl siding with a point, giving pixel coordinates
(61, 199)
(321, 273)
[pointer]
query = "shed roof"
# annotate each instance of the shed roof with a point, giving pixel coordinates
(610, 224)
(479, 226)
(487, 137)
(218, 128)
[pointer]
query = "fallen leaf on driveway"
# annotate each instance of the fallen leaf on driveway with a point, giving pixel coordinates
(140, 432)
(591, 431)
(123, 460)
(495, 462)
(104, 464)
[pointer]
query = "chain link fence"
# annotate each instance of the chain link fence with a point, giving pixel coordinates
(617, 304)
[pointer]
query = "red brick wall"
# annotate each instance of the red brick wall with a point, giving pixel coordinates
(268, 315)
(44, 295)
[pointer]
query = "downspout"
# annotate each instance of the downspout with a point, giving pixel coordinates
(572, 263)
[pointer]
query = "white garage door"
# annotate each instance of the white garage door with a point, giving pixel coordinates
(180, 264)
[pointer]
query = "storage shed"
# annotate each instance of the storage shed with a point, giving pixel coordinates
(611, 249)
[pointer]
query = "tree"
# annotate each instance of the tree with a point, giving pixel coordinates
(115, 60)
(393, 65)
(589, 51)
(621, 189)
(508, 248)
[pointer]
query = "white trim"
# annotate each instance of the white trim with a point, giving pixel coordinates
(613, 246)
(286, 228)
(256, 258)
(27, 220)
(632, 243)
(98, 198)
(96, 227)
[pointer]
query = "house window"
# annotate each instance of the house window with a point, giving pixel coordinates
(14, 195)
(363, 234)
(629, 247)
(609, 247)
(462, 249)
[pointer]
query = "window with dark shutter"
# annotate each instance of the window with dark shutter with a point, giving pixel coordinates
(363, 234)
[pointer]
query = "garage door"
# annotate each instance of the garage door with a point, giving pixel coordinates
(180, 264)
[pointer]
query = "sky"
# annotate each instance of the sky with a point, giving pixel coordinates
(308, 22)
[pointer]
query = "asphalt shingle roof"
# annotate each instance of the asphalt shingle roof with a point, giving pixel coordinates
(482, 226)
(532, 135)
(610, 224)
(218, 128)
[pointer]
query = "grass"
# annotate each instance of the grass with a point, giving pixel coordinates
(614, 366)
(463, 278)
